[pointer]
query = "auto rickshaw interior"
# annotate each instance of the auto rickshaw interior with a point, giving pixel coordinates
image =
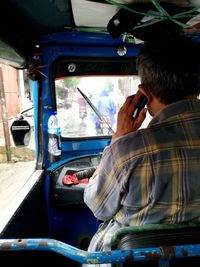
(77, 53)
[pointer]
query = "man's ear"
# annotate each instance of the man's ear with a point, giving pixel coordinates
(145, 91)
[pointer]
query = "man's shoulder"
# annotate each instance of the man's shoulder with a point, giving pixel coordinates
(132, 142)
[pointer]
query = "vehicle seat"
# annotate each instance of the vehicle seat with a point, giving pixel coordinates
(163, 236)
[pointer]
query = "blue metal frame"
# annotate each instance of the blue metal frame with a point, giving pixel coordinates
(78, 45)
(35, 90)
(99, 257)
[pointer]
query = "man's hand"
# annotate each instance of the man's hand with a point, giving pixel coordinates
(126, 123)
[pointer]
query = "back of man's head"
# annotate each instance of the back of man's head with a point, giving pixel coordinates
(170, 68)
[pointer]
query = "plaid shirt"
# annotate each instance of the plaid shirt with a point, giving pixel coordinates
(149, 176)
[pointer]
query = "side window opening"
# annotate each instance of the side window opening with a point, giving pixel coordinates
(17, 163)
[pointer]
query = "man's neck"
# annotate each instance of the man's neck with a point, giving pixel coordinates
(156, 106)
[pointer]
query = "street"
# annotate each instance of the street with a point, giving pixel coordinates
(14, 174)
(12, 178)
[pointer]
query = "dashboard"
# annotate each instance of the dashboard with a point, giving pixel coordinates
(69, 180)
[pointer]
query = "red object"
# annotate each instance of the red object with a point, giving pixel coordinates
(72, 180)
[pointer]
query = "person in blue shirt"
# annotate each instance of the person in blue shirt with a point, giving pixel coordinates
(107, 108)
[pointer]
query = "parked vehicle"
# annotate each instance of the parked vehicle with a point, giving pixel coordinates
(66, 46)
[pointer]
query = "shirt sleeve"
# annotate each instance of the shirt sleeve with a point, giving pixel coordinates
(104, 191)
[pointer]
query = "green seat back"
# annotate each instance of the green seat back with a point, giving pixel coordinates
(153, 235)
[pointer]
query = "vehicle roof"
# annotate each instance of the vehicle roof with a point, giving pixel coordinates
(24, 22)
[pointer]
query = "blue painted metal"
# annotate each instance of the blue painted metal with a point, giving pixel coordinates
(35, 96)
(98, 257)
(56, 165)
(184, 251)
(84, 39)
(78, 45)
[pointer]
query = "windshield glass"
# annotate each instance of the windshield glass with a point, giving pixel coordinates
(91, 110)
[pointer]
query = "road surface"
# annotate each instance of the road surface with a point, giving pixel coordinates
(12, 178)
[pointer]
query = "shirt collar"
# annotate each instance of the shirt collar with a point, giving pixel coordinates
(177, 108)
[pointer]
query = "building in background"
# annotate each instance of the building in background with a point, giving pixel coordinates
(10, 78)
(14, 97)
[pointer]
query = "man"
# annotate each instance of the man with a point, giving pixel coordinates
(107, 108)
(152, 175)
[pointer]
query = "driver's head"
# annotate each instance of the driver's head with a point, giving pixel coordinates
(170, 68)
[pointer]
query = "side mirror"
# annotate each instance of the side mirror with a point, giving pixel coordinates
(21, 131)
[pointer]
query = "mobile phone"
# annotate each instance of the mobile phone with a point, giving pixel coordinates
(143, 101)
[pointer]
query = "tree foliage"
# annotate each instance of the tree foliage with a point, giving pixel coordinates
(71, 82)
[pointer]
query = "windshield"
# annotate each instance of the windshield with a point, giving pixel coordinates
(88, 106)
